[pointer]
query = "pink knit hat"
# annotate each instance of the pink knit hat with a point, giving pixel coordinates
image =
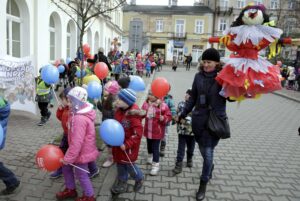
(112, 87)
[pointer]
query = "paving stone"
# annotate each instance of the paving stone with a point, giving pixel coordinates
(174, 198)
(161, 198)
(223, 195)
(279, 198)
(171, 192)
(153, 190)
(241, 197)
(264, 191)
(260, 198)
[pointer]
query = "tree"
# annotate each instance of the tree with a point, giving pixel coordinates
(85, 12)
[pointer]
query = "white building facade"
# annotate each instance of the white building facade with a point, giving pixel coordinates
(40, 29)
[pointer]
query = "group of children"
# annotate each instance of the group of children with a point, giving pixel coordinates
(77, 118)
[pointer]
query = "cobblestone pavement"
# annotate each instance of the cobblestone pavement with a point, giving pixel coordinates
(261, 161)
(290, 94)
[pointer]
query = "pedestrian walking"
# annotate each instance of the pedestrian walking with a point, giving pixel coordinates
(12, 183)
(43, 97)
(157, 115)
(205, 94)
(188, 61)
(185, 137)
(174, 63)
(126, 155)
(82, 147)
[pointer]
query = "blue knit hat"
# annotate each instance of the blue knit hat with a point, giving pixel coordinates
(128, 96)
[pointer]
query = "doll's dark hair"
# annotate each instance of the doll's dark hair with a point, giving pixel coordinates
(239, 20)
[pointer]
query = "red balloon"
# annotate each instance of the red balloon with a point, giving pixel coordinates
(101, 70)
(49, 158)
(160, 87)
(86, 49)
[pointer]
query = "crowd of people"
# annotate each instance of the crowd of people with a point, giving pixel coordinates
(77, 113)
(290, 76)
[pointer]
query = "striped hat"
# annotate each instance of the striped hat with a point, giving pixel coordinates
(128, 96)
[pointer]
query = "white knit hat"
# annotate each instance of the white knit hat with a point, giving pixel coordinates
(78, 96)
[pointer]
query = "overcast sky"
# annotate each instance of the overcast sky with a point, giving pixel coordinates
(162, 2)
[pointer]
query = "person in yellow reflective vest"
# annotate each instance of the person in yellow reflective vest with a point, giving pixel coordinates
(43, 96)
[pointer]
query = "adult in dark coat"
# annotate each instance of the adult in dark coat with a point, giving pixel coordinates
(188, 60)
(100, 57)
(205, 92)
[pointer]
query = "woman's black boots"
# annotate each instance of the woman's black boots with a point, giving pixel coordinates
(201, 192)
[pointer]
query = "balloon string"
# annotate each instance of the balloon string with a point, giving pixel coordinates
(75, 166)
(55, 95)
(131, 163)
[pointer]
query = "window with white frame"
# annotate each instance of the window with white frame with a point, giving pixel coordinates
(199, 26)
(68, 40)
(224, 3)
(52, 38)
(274, 4)
(179, 29)
(222, 24)
(240, 3)
(13, 29)
(159, 26)
(258, 2)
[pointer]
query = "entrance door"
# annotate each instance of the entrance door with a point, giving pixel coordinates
(178, 53)
(196, 53)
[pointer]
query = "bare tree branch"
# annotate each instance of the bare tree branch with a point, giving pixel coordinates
(67, 13)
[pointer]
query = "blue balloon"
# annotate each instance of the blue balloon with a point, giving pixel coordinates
(1, 135)
(50, 74)
(68, 60)
(94, 90)
(136, 83)
(78, 73)
(61, 68)
(112, 132)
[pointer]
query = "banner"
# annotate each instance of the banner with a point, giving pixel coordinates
(17, 82)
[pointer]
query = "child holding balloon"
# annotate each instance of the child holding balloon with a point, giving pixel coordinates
(158, 115)
(127, 152)
(82, 146)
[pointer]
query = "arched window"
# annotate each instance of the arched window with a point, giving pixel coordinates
(68, 40)
(96, 43)
(71, 39)
(13, 29)
(52, 38)
(89, 38)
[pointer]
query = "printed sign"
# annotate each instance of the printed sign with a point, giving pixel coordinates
(17, 83)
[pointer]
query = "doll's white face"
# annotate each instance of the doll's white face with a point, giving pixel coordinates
(253, 17)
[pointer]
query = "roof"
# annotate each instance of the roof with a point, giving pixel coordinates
(178, 10)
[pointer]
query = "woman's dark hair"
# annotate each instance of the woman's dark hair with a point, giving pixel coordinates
(239, 20)
(219, 66)
(107, 103)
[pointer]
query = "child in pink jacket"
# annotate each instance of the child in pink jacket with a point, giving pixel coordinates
(140, 67)
(82, 146)
(158, 115)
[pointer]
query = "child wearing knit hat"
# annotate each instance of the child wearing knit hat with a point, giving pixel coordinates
(126, 155)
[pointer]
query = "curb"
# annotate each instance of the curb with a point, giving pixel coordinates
(286, 96)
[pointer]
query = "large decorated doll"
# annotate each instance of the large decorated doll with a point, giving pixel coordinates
(246, 74)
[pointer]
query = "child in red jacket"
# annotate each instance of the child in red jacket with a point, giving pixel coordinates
(133, 128)
(62, 114)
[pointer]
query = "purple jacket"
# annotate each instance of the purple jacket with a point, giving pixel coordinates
(82, 137)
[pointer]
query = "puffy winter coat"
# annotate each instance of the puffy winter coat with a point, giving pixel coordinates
(82, 137)
(204, 84)
(63, 116)
(133, 128)
(4, 114)
(154, 128)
